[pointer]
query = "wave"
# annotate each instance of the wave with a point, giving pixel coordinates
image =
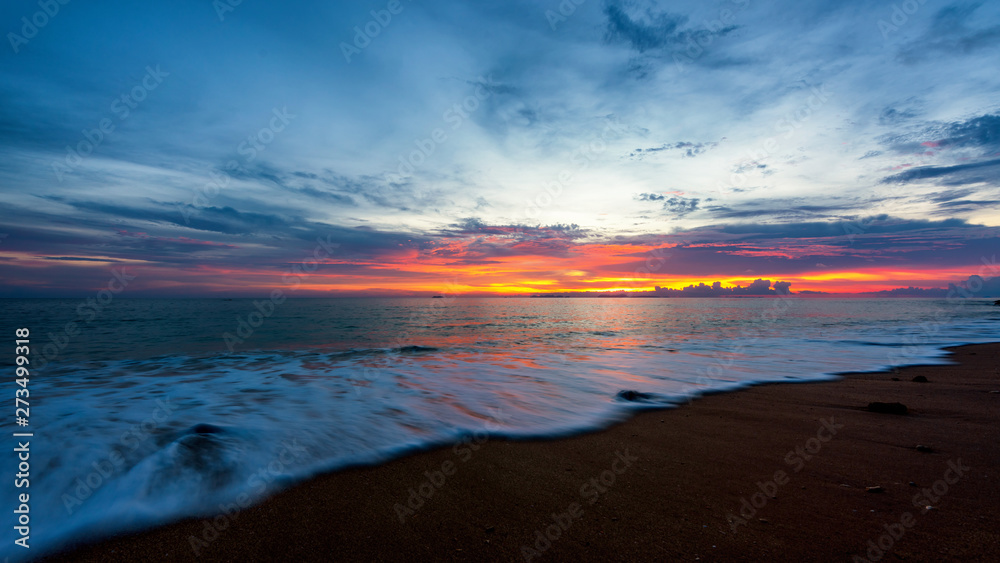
(138, 442)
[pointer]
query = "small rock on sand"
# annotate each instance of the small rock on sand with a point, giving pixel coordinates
(920, 379)
(634, 396)
(888, 408)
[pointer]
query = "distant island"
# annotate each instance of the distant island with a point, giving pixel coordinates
(975, 287)
(759, 288)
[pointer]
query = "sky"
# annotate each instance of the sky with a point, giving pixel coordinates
(231, 148)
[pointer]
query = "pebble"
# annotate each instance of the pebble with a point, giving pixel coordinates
(888, 408)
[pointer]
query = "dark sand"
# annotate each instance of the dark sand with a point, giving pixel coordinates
(677, 500)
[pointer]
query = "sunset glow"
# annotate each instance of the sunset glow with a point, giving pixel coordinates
(592, 153)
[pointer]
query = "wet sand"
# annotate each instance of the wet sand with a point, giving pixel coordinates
(776, 472)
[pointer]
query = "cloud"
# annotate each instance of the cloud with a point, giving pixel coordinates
(790, 209)
(78, 259)
(645, 30)
(979, 132)
(672, 204)
(681, 206)
(493, 87)
(878, 225)
(343, 190)
(789, 249)
(959, 174)
(975, 137)
(893, 116)
(963, 153)
(214, 219)
(950, 195)
(475, 226)
(653, 34)
(687, 149)
(950, 34)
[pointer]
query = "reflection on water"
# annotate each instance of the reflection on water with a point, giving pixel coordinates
(188, 425)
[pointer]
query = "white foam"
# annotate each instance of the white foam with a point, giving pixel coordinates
(268, 419)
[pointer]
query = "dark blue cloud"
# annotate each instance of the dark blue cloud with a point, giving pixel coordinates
(783, 209)
(674, 205)
(687, 149)
(973, 173)
(681, 206)
(877, 225)
(979, 132)
(647, 31)
(953, 31)
(793, 248)
(892, 116)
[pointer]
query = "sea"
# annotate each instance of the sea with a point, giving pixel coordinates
(143, 412)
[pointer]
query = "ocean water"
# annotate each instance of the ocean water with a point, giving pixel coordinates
(148, 412)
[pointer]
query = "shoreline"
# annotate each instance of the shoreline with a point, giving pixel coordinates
(766, 471)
